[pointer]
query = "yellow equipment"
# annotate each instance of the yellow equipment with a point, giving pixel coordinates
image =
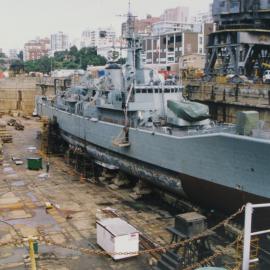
(32, 254)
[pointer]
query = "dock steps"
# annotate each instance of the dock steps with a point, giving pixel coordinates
(169, 261)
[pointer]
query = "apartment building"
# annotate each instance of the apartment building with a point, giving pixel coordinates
(142, 26)
(167, 48)
(36, 49)
(59, 42)
(100, 37)
(178, 14)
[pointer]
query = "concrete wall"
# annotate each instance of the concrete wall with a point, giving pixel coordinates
(18, 94)
(224, 102)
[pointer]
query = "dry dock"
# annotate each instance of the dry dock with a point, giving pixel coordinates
(71, 221)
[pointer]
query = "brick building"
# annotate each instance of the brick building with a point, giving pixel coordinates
(142, 26)
(36, 49)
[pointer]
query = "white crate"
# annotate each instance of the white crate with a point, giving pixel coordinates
(115, 235)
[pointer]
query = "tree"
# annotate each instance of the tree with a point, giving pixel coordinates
(16, 66)
(72, 59)
(73, 51)
(20, 55)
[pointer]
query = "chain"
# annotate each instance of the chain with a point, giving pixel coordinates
(13, 242)
(237, 266)
(162, 249)
(7, 243)
(214, 256)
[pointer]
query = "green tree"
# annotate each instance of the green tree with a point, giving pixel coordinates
(16, 66)
(72, 59)
(20, 55)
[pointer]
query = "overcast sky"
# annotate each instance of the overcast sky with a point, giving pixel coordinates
(22, 20)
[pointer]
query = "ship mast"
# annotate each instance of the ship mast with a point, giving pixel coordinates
(129, 75)
(131, 49)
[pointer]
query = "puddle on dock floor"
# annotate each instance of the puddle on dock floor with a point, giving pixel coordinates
(39, 218)
(32, 196)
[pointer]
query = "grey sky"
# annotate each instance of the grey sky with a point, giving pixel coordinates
(23, 20)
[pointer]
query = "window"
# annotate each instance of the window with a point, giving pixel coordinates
(167, 90)
(178, 38)
(156, 91)
(222, 4)
(118, 98)
(150, 91)
(138, 91)
(144, 91)
(171, 40)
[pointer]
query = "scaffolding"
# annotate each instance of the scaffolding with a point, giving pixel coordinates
(241, 43)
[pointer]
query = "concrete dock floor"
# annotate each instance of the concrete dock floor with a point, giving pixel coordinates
(23, 194)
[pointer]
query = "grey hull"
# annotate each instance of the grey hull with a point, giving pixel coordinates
(231, 162)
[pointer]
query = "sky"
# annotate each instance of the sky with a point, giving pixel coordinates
(23, 20)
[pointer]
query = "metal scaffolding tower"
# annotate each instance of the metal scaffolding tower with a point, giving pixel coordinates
(241, 43)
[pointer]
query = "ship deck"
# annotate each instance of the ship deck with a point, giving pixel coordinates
(192, 131)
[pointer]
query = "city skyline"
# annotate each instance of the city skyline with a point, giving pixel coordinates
(31, 18)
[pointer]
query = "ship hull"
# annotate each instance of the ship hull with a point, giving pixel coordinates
(218, 170)
(215, 196)
(198, 190)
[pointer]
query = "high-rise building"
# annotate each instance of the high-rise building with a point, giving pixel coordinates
(35, 49)
(101, 37)
(142, 26)
(203, 17)
(13, 54)
(104, 39)
(59, 42)
(178, 14)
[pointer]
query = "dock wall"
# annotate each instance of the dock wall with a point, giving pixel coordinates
(225, 100)
(18, 94)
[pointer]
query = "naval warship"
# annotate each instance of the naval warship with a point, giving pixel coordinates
(141, 124)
